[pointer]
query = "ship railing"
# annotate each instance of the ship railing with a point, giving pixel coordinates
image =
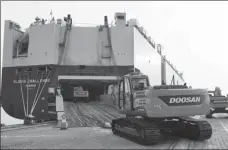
(153, 44)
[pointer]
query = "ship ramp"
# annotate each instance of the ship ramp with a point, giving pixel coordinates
(101, 113)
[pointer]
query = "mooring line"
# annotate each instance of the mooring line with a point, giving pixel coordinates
(22, 95)
(40, 92)
(36, 93)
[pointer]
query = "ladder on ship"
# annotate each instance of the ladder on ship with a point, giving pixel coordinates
(112, 55)
(62, 52)
(63, 44)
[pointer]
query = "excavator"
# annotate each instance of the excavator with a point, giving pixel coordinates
(154, 110)
(163, 109)
(218, 102)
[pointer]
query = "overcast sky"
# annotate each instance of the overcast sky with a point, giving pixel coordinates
(194, 34)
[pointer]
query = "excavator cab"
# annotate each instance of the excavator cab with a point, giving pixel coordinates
(128, 85)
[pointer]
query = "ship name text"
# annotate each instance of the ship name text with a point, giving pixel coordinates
(31, 81)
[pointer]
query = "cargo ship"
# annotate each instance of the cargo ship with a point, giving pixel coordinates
(56, 53)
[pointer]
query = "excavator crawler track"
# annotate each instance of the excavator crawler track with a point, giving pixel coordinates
(198, 130)
(136, 129)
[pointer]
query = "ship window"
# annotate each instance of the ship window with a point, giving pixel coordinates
(23, 49)
(120, 17)
(22, 45)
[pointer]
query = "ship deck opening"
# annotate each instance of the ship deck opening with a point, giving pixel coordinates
(93, 85)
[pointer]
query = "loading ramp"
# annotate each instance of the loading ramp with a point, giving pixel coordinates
(93, 114)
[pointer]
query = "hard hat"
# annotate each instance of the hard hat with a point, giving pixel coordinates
(37, 18)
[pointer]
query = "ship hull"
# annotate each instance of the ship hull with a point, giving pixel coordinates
(26, 91)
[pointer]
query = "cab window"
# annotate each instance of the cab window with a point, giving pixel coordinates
(136, 83)
(121, 86)
(127, 86)
(121, 90)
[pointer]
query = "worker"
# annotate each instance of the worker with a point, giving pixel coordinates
(64, 124)
(43, 21)
(113, 94)
(59, 89)
(59, 105)
(37, 22)
(110, 89)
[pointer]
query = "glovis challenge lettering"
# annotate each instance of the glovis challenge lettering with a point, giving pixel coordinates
(34, 81)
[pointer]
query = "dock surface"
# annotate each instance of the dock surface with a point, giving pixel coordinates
(86, 131)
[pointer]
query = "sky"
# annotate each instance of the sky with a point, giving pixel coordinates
(194, 34)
